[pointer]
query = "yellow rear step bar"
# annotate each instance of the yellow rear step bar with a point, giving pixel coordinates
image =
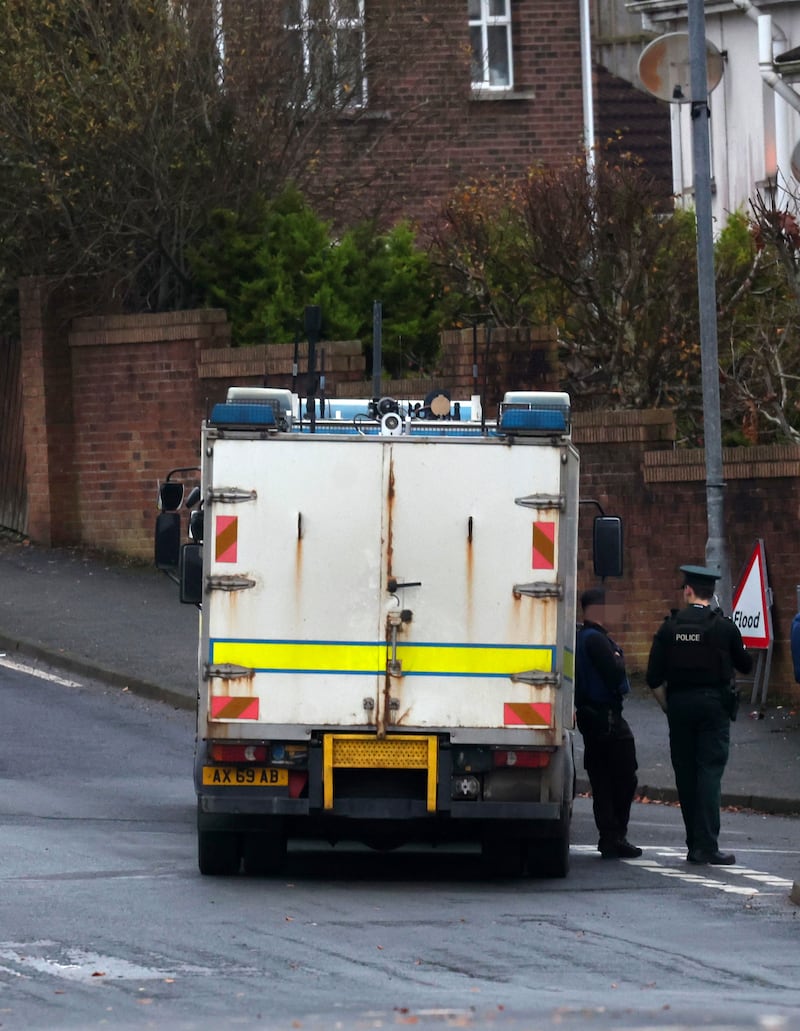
(394, 752)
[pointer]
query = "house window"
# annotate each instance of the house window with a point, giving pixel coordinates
(328, 42)
(490, 42)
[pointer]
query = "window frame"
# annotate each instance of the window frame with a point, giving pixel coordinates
(485, 21)
(334, 25)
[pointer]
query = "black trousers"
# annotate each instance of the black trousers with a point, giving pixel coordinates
(609, 758)
(699, 741)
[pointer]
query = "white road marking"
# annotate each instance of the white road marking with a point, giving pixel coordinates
(21, 667)
(693, 874)
(692, 878)
(762, 878)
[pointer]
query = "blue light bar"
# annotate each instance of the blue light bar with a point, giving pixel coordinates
(232, 414)
(531, 412)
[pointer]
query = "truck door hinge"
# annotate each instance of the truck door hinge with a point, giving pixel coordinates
(537, 677)
(394, 667)
(540, 501)
(229, 583)
(230, 495)
(226, 671)
(539, 589)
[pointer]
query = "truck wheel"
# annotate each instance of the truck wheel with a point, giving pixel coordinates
(218, 853)
(550, 856)
(264, 853)
(504, 857)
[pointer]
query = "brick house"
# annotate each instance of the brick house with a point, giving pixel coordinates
(419, 97)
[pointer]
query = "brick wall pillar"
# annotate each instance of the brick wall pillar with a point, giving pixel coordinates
(47, 406)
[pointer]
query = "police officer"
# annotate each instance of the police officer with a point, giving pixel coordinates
(609, 749)
(690, 671)
(794, 644)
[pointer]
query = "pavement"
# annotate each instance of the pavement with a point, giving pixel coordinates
(121, 622)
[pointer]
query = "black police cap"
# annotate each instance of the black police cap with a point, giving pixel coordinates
(700, 575)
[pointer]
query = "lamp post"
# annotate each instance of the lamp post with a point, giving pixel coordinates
(716, 550)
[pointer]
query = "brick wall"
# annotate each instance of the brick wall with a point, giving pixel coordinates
(137, 401)
(629, 464)
(457, 135)
(52, 487)
(424, 131)
(111, 404)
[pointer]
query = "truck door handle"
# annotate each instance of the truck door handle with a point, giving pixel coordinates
(393, 585)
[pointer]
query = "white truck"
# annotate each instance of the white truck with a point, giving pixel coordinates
(387, 594)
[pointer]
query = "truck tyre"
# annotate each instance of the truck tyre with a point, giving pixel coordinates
(218, 853)
(264, 853)
(549, 857)
(504, 857)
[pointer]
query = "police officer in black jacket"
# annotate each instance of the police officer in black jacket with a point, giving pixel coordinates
(690, 670)
(609, 750)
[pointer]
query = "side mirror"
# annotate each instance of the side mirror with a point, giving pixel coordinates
(170, 496)
(607, 546)
(168, 540)
(191, 574)
(196, 525)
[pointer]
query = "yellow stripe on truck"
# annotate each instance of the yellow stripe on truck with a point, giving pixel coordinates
(472, 660)
(301, 656)
(366, 658)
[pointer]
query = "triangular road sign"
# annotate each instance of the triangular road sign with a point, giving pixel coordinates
(750, 611)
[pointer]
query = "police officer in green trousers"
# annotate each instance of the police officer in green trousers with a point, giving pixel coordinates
(690, 670)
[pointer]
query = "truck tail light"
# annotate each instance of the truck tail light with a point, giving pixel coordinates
(529, 760)
(237, 753)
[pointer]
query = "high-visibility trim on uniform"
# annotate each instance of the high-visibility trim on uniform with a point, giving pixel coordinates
(527, 714)
(369, 658)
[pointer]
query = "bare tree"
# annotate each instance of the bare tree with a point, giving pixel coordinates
(760, 326)
(594, 255)
(125, 123)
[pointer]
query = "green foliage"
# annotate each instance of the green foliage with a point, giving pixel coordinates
(392, 268)
(265, 265)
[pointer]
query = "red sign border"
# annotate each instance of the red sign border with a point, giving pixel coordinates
(757, 554)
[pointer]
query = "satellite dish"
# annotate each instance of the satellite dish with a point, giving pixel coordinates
(665, 68)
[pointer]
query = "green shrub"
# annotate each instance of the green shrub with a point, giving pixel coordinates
(264, 265)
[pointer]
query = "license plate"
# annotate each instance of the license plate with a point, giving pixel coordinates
(245, 776)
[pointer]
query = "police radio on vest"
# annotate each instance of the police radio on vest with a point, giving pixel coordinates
(747, 622)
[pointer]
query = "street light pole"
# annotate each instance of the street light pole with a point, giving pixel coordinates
(716, 550)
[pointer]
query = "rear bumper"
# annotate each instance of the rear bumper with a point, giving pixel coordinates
(376, 809)
(338, 801)
(388, 829)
